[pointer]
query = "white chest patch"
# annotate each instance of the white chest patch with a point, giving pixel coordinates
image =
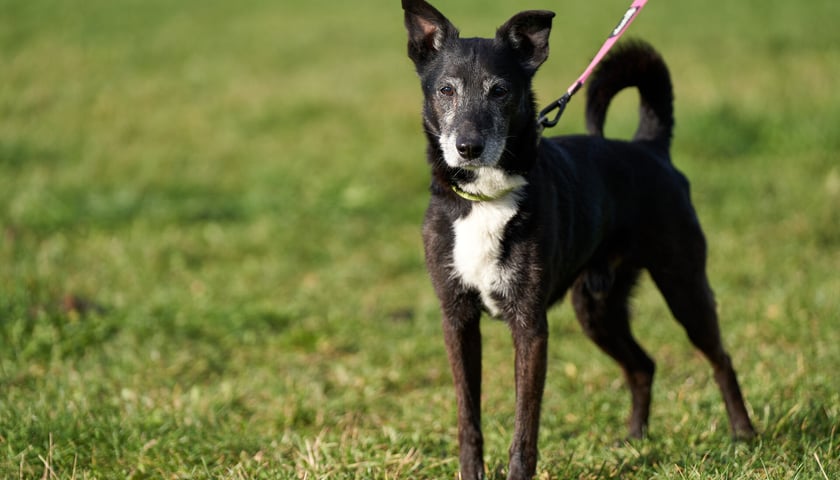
(478, 248)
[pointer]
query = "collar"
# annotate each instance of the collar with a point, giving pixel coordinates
(479, 197)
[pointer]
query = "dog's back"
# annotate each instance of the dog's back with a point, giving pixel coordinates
(612, 196)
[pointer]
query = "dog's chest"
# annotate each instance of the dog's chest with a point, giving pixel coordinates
(477, 253)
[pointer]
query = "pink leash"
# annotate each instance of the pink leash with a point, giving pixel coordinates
(616, 33)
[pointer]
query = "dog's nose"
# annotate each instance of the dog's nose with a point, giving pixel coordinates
(470, 149)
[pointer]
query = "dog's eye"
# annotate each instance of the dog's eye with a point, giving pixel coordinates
(498, 91)
(447, 90)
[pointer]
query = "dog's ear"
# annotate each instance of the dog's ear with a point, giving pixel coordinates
(428, 30)
(527, 34)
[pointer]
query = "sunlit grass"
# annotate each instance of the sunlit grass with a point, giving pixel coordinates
(210, 264)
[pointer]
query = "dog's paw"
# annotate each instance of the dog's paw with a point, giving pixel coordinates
(744, 434)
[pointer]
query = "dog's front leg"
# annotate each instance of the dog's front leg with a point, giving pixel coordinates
(463, 346)
(530, 339)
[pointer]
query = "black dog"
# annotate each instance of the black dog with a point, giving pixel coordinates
(516, 220)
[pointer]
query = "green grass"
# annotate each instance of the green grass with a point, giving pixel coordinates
(210, 263)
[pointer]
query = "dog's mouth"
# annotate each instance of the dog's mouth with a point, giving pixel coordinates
(471, 167)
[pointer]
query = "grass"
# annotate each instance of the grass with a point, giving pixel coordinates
(210, 263)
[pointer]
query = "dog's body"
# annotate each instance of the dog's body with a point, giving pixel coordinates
(515, 220)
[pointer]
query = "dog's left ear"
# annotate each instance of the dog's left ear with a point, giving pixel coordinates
(527, 34)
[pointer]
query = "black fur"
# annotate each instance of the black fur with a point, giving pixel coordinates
(587, 214)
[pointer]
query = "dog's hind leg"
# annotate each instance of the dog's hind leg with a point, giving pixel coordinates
(605, 318)
(683, 282)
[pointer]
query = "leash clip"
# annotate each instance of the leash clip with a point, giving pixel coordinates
(560, 105)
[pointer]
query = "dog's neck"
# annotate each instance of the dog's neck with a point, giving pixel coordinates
(488, 184)
(478, 197)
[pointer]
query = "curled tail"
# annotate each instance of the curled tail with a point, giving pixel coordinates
(634, 64)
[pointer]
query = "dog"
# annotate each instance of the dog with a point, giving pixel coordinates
(516, 220)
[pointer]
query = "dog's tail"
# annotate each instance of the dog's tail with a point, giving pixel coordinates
(634, 64)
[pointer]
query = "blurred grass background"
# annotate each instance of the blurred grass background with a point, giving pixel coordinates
(210, 263)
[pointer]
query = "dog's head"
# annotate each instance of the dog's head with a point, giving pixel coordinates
(477, 90)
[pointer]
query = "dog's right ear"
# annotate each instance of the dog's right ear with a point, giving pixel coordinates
(428, 30)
